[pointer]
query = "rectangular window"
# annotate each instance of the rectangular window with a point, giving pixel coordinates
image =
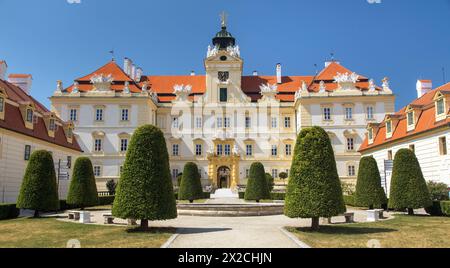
(73, 115)
(288, 149)
(2, 104)
(223, 95)
(410, 117)
(350, 144)
(219, 122)
(175, 122)
(348, 113)
(275, 173)
(198, 122)
(370, 114)
(27, 152)
(326, 113)
(389, 127)
(351, 171)
(219, 149)
(97, 171)
(389, 155)
(227, 149)
(287, 122)
(175, 149)
(443, 146)
(247, 173)
(370, 134)
(175, 173)
(98, 145)
(69, 161)
(274, 150)
(123, 145)
(124, 114)
(249, 149)
(52, 125)
(274, 122)
(29, 116)
(198, 150)
(99, 114)
(248, 122)
(227, 122)
(440, 109)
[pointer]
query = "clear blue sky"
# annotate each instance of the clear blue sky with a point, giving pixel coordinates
(402, 39)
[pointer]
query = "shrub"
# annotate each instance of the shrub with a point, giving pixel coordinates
(408, 187)
(106, 200)
(445, 208)
(438, 191)
(39, 191)
(283, 175)
(191, 186)
(111, 186)
(434, 209)
(8, 211)
(179, 177)
(349, 200)
(277, 196)
(369, 192)
(64, 206)
(82, 189)
(257, 188)
(314, 189)
(348, 188)
(145, 189)
(270, 182)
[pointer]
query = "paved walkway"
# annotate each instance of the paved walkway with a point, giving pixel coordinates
(231, 232)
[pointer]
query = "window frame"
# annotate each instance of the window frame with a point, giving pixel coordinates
(27, 152)
(223, 94)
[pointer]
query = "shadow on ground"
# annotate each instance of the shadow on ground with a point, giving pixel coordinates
(152, 230)
(346, 230)
(202, 230)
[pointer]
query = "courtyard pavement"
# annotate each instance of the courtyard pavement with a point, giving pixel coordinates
(232, 232)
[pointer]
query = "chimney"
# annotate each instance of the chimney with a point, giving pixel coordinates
(23, 81)
(423, 87)
(139, 73)
(3, 69)
(328, 62)
(279, 73)
(127, 66)
(255, 73)
(192, 73)
(133, 71)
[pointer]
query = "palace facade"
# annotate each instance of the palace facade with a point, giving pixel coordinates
(222, 120)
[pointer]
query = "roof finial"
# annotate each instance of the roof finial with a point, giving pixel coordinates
(112, 55)
(223, 18)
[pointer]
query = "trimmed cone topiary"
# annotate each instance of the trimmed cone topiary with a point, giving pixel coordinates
(408, 187)
(314, 189)
(39, 191)
(145, 189)
(369, 192)
(270, 182)
(83, 189)
(191, 186)
(257, 188)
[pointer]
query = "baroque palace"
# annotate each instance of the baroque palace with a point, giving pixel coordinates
(223, 120)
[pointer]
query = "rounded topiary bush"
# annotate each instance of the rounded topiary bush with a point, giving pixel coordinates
(145, 189)
(257, 188)
(39, 190)
(369, 192)
(314, 189)
(83, 189)
(191, 186)
(270, 182)
(408, 187)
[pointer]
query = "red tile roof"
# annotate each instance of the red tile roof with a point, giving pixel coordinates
(426, 121)
(20, 76)
(163, 85)
(13, 120)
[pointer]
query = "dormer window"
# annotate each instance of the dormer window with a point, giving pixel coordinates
(29, 115)
(370, 135)
(440, 107)
(441, 102)
(410, 118)
(2, 104)
(388, 129)
(52, 125)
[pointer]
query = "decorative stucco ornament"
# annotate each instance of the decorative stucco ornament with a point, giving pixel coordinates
(322, 88)
(346, 78)
(126, 89)
(102, 82)
(372, 87)
(212, 51)
(182, 92)
(75, 87)
(386, 84)
(234, 51)
(268, 91)
(59, 86)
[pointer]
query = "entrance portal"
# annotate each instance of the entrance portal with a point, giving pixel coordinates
(223, 177)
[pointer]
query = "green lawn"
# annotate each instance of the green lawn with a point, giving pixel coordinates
(401, 232)
(52, 233)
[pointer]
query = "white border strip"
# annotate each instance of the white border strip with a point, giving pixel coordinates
(294, 238)
(170, 240)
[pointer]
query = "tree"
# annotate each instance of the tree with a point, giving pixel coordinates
(257, 188)
(408, 187)
(438, 191)
(111, 186)
(39, 190)
(83, 189)
(314, 189)
(369, 192)
(179, 177)
(270, 182)
(283, 176)
(145, 189)
(191, 185)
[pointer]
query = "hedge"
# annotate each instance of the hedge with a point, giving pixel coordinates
(83, 190)
(257, 185)
(9, 211)
(277, 196)
(445, 208)
(206, 195)
(349, 200)
(191, 185)
(106, 200)
(369, 192)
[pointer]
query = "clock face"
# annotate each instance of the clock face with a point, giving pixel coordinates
(223, 76)
(223, 58)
